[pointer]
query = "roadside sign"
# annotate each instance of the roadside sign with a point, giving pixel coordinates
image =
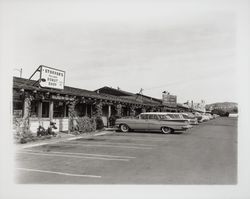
(169, 100)
(52, 78)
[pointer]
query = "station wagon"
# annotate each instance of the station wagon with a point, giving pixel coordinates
(152, 121)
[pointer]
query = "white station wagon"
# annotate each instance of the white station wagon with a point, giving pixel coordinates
(152, 121)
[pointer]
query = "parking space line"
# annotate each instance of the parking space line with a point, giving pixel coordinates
(114, 143)
(103, 145)
(87, 154)
(59, 173)
(138, 138)
(70, 156)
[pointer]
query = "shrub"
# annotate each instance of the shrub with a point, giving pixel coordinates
(24, 137)
(86, 124)
(22, 134)
(99, 123)
(220, 112)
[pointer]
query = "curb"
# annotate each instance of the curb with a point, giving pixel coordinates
(63, 140)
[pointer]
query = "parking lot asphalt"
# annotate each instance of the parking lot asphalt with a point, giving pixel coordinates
(205, 154)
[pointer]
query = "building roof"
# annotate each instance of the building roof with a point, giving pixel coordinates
(131, 96)
(113, 91)
(149, 97)
(26, 84)
(29, 85)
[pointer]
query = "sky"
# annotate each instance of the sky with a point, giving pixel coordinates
(185, 48)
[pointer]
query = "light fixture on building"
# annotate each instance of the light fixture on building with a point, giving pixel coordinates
(38, 81)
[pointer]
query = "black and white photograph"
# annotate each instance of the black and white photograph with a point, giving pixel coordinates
(130, 99)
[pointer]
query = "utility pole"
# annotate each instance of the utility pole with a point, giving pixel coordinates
(20, 71)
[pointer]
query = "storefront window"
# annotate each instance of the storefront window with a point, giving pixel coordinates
(45, 109)
(17, 105)
(67, 111)
(81, 109)
(60, 109)
(34, 109)
(89, 110)
(17, 109)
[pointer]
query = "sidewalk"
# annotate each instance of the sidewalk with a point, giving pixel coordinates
(61, 137)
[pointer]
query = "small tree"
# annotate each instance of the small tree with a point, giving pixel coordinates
(72, 115)
(98, 109)
(132, 111)
(23, 132)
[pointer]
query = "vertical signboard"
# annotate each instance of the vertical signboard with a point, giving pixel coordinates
(200, 106)
(169, 100)
(51, 77)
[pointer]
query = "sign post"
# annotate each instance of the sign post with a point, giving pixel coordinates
(50, 77)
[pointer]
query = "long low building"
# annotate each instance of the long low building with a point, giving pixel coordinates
(41, 105)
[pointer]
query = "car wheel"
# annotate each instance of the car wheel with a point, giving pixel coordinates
(124, 128)
(166, 130)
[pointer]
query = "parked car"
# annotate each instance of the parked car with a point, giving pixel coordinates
(209, 115)
(152, 121)
(202, 117)
(184, 116)
(233, 115)
(215, 116)
(192, 119)
(175, 116)
(198, 116)
(205, 117)
(178, 116)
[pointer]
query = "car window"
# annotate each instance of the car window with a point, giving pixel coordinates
(161, 117)
(191, 115)
(156, 117)
(185, 116)
(174, 116)
(144, 116)
(169, 116)
(152, 117)
(164, 117)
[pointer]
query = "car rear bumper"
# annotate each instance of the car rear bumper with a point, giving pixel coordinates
(184, 128)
